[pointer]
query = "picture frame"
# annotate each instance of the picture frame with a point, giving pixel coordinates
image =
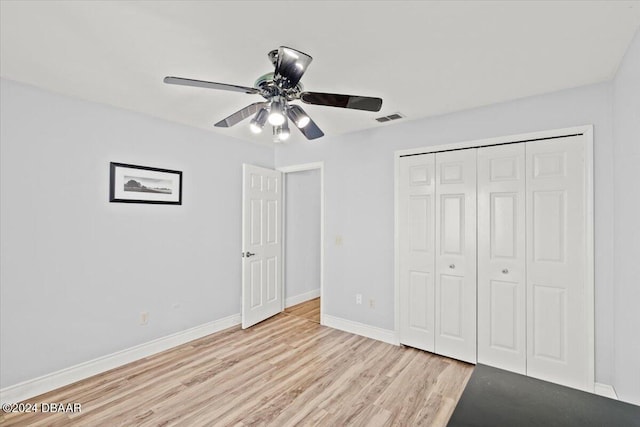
(144, 184)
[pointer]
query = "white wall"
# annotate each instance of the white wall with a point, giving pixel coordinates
(626, 131)
(76, 270)
(302, 231)
(359, 179)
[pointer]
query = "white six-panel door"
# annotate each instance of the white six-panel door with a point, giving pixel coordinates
(557, 307)
(501, 257)
(261, 244)
(417, 205)
(455, 264)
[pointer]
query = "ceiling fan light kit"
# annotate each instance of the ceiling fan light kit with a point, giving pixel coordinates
(279, 89)
(276, 117)
(285, 133)
(281, 133)
(257, 123)
(298, 116)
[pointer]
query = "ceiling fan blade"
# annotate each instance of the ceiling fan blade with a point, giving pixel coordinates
(311, 130)
(290, 66)
(343, 101)
(208, 85)
(239, 116)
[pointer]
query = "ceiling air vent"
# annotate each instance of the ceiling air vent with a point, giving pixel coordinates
(394, 116)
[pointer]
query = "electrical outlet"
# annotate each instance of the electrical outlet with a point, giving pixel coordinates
(358, 298)
(372, 303)
(144, 318)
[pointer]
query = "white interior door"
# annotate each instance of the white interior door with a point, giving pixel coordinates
(456, 254)
(416, 198)
(261, 244)
(501, 257)
(558, 347)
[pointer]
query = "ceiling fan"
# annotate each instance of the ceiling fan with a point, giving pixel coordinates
(279, 89)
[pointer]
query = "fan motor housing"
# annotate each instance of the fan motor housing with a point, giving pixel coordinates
(269, 89)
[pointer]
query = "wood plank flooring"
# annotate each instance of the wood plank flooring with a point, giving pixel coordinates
(282, 372)
(309, 310)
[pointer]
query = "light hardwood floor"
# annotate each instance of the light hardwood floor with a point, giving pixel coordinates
(282, 372)
(309, 310)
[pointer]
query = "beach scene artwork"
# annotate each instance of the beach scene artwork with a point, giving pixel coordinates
(144, 184)
(148, 185)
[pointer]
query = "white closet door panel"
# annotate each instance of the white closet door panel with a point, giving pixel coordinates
(557, 308)
(455, 266)
(501, 257)
(261, 237)
(416, 194)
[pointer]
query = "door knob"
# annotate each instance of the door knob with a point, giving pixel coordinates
(452, 266)
(247, 254)
(505, 271)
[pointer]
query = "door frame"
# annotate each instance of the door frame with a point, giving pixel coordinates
(302, 168)
(587, 132)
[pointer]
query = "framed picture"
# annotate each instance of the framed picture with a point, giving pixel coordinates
(143, 184)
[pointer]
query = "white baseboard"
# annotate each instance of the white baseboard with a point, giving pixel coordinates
(605, 390)
(54, 380)
(301, 298)
(358, 328)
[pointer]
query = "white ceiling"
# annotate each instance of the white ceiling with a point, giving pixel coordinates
(422, 58)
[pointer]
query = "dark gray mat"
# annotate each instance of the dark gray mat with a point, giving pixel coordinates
(496, 398)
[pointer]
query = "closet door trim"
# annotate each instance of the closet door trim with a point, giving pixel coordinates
(587, 132)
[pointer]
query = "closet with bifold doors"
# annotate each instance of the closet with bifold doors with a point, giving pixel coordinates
(493, 256)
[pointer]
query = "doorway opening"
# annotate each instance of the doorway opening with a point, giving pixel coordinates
(309, 310)
(303, 240)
